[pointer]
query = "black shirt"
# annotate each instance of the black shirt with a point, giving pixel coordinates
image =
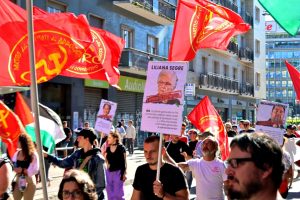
(175, 150)
(171, 177)
(116, 159)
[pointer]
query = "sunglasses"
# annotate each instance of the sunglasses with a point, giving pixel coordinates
(235, 162)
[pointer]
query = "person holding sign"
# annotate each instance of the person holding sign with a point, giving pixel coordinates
(172, 183)
(277, 117)
(166, 84)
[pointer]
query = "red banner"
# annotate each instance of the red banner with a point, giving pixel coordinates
(100, 60)
(203, 24)
(205, 118)
(57, 45)
(10, 128)
(295, 76)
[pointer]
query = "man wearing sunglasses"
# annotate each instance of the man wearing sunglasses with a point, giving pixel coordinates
(254, 167)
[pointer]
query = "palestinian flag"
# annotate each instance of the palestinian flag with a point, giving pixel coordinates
(51, 128)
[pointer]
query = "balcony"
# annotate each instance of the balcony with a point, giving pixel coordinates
(247, 17)
(218, 82)
(246, 89)
(145, 9)
(246, 55)
(233, 48)
(228, 4)
(133, 58)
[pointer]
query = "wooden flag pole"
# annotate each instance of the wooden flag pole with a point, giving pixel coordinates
(159, 156)
(34, 96)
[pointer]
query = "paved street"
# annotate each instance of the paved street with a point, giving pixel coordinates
(133, 162)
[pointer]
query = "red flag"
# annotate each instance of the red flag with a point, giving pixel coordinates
(295, 76)
(203, 24)
(101, 58)
(10, 128)
(23, 110)
(205, 118)
(57, 45)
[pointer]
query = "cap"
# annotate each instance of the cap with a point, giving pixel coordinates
(88, 133)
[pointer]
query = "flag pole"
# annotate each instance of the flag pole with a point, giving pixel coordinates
(34, 96)
(159, 156)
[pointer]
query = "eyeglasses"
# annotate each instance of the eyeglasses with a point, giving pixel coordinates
(235, 162)
(75, 194)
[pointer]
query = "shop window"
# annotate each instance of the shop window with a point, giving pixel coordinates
(258, 81)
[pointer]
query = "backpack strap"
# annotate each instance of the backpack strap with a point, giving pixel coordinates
(84, 162)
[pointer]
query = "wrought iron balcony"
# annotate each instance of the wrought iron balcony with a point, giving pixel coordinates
(218, 82)
(233, 47)
(247, 17)
(134, 58)
(246, 89)
(246, 54)
(165, 14)
(228, 4)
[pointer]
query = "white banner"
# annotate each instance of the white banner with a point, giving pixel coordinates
(105, 116)
(271, 118)
(163, 97)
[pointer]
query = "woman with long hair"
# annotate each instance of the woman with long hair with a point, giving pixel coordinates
(26, 166)
(116, 167)
(77, 184)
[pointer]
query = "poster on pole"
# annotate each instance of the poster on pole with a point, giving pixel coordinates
(105, 116)
(164, 97)
(271, 118)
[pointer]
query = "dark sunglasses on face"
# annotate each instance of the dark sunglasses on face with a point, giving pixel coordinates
(235, 162)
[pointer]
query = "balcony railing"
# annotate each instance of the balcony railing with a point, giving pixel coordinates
(246, 53)
(146, 4)
(166, 10)
(228, 4)
(138, 59)
(247, 89)
(233, 47)
(219, 82)
(247, 17)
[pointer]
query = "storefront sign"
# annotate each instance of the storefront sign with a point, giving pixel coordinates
(95, 83)
(132, 84)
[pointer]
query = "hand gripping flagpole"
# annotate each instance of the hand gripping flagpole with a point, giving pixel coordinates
(34, 96)
(159, 156)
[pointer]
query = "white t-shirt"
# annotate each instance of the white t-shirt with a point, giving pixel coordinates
(209, 176)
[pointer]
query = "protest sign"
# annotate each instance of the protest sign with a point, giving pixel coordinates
(105, 116)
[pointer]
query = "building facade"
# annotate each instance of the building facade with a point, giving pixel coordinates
(280, 47)
(232, 79)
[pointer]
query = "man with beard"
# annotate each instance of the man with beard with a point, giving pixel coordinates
(172, 184)
(209, 171)
(255, 167)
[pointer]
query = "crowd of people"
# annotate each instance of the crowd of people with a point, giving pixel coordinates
(257, 167)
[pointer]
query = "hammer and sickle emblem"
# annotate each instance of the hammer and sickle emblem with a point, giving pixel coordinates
(53, 57)
(3, 115)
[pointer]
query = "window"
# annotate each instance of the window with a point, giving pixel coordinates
(235, 73)
(272, 83)
(290, 84)
(226, 70)
(96, 21)
(283, 83)
(216, 67)
(152, 44)
(258, 79)
(204, 64)
(257, 14)
(257, 46)
(243, 76)
(54, 7)
(128, 35)
(284, 74)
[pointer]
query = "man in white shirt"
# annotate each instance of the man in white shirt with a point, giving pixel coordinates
(130, 136)
(209, 171)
